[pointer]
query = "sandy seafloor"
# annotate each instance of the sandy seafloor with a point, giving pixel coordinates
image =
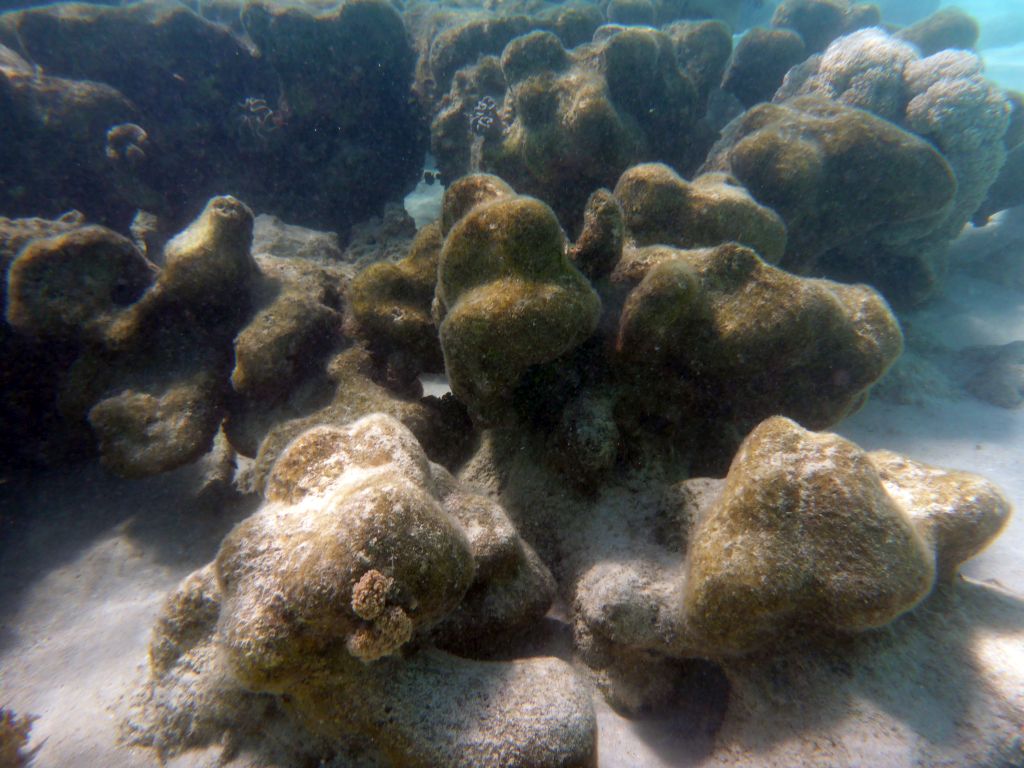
(84, 569)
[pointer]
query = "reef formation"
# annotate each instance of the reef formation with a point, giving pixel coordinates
(662, 269)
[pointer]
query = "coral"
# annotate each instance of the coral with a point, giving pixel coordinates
(856, 192)
(760, 62)
(361, 548)
(237, 106)
(574, 120)
(946, 28)
(819, 22)
(51, 126)
(942, 98)
(702, 50)
(599, 245)
(31, 369)
(808, 515)
(806, 535)
(74, 285)
(14, 732)
(507, 298)
(147, 350)
(752, 339)
(866, 69)
(347, 386)
(661, 208)
(390, 303)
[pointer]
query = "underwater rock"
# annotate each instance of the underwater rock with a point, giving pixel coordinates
(598, 109)
(329, 593)
(273, 237)
(807, 536)
(857, 193)
(507, 298)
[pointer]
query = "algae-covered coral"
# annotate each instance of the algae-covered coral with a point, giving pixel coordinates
(666, 259)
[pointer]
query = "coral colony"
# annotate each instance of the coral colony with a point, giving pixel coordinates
(662, 271)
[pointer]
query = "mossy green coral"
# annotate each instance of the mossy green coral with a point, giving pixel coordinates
(507, 298)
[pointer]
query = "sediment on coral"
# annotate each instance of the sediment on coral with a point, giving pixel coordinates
(363, 556)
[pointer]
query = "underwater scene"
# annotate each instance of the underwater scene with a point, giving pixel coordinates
(512, 384)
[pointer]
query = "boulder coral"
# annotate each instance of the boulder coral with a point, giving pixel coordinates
(943, 98)
(819, 22)
(566, 122)
(328, 595)
(859, 195)
(237, 105)
(390, 303)
(807, 534)
(507, 298)
(749, 339)
(660, 207)
(152, 347)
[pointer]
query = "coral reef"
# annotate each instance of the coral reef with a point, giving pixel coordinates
(942, 98)
(572, 121)
(210, 101)
(332, 591)
(660, 264)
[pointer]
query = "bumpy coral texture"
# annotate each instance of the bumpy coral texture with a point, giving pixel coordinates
(862, 199)
(572, 121)
(744, 339)
(361, 547)
(807, 534)
(507, 298)
(945, 99)
(390, 303)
